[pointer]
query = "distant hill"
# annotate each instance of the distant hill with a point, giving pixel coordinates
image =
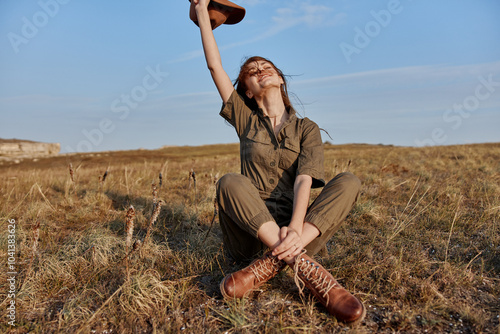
(14, 140)
(18, 148)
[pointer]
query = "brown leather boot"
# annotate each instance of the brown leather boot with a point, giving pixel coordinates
(261, 270)
(338, 301)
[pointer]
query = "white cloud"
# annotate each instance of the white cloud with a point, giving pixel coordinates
(187, 56)
(312, 15)
(46, 99)
(405, 92)
(410, 76)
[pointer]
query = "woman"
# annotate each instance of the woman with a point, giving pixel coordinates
(266, 206)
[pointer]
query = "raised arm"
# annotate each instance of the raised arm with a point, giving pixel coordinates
(212, 55)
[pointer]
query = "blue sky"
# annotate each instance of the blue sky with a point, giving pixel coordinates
(118, 75)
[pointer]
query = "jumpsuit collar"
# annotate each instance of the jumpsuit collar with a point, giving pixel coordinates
(291, 117)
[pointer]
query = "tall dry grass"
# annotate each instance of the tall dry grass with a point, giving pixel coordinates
(421, 247)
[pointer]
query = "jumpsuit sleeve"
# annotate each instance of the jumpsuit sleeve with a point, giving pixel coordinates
(236, 113)
(311, 157)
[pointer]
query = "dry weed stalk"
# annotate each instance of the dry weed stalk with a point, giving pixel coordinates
(126, 181)
(152, 220)
(102, 179)
(71, 172)
(155, 195)
(129, 228)
(192, 175)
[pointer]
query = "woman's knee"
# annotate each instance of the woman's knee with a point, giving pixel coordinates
(351, 181)
(347, 181)
(231, 183)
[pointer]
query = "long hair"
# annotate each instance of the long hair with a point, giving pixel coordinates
(241, 87)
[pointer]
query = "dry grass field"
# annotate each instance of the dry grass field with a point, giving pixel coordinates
(421, 248)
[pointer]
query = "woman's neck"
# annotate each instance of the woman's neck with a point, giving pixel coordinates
(271, 103)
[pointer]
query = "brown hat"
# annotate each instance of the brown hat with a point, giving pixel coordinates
(220, 11)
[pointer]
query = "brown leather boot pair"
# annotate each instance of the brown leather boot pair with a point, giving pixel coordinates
(338, 301)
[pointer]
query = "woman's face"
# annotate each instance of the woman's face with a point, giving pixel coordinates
(260, 76)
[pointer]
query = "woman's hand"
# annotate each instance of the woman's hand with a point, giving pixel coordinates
(201, 3)
(290, 246)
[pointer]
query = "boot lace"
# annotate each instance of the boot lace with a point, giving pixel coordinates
(311, 273)
(266, 267)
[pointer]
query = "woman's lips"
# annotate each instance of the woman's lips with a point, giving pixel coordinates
(263, 77)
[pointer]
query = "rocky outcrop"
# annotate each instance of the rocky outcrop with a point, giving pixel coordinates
(14, 148)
